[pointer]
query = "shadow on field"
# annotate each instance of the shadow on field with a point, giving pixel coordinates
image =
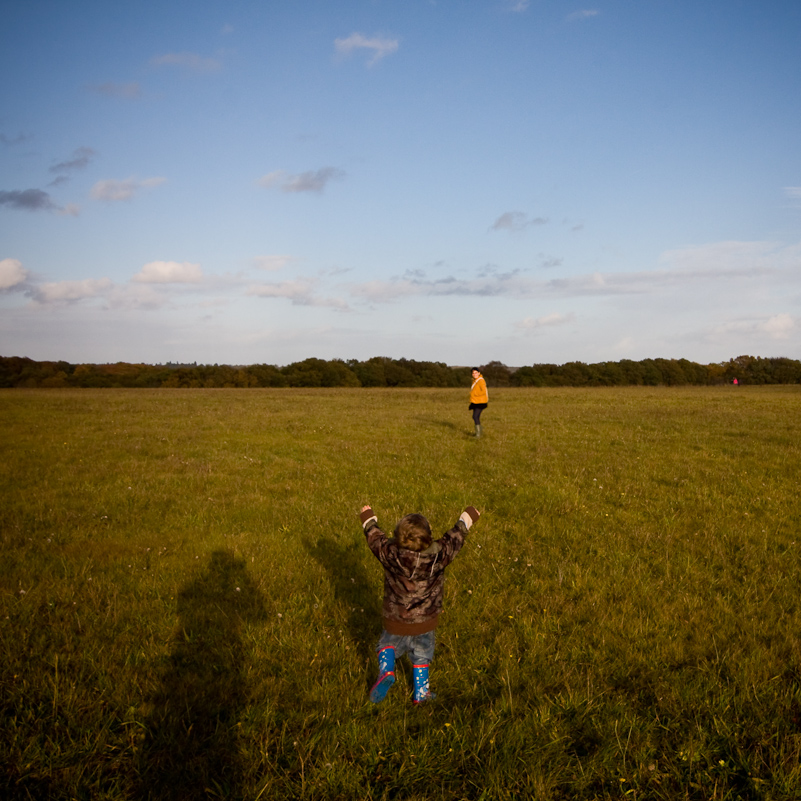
(190, 747)
(353, 588)
(441, 423)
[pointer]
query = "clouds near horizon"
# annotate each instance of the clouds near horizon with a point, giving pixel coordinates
(513, 180)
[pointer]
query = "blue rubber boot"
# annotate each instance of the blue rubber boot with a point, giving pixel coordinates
(386, 674)
(421, 689)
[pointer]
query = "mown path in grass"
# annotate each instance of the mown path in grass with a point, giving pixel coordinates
(188, 609)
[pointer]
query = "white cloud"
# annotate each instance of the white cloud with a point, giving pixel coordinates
(135, 296)
(300, 292)
(380, 47)
(71, 291)
(776, 327)
(190, 61)
(780, 326)
(520, 6)
(549, 320)
(12, 274)
(169, 272)
(112, 191)
(272, 263)
(311, 181)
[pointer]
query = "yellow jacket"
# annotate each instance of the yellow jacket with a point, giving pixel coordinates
(478, 392)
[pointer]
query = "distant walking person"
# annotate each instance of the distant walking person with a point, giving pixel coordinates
(414, 575)
(478, 398)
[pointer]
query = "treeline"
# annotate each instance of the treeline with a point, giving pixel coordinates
(385, 372)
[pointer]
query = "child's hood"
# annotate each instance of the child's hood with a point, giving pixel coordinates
(411, 561)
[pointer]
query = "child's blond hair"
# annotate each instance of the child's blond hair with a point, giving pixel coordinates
(413, 532)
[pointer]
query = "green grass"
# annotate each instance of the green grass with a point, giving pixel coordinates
(188, 609)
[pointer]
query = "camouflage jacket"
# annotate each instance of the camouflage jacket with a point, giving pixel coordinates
(413, 581)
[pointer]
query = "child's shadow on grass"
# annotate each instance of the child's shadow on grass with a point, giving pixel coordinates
(438, 421)
(353, 589)
(190, 745)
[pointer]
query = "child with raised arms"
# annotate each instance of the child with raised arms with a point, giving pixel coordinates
(414, 575)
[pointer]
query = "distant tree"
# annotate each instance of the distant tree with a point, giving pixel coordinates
(527, 377)
(399, 375)
(577, 374)
(651, 375)
(370, 373)
(266, 375)
(319, 373)
(496, 374)
(786, 371)
(609, 374)
(672, 374)
(383, 371)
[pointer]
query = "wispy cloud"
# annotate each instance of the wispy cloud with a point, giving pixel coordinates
(516, 221)
(169, 272)
(776, 327)
(549, 262)
(585, 13)
(311, 181)
(793, 192)
(127, 91)
(489, 284)
(80, 160)
(112, 191)
(548, 321)
(302, 292)
(12, 274)
(28, 200)
(689, 271)
(519, 6)
(63, 292)
(272, 263)
(732, 255)
(188, 61)
(378, 46)
(15, 140)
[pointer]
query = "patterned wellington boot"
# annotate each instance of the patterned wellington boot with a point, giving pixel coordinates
(386, 674)
(421, 690)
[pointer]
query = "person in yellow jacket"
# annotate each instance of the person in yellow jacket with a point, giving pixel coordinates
(479, 398)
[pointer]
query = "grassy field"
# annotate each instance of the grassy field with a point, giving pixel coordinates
(188, 609)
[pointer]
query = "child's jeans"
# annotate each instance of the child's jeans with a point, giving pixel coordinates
(420, 647)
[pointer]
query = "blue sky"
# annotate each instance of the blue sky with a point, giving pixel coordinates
(542, 181)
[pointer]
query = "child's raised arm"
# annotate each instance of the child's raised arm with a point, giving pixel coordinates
(469, 516)
(367, 516)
